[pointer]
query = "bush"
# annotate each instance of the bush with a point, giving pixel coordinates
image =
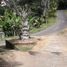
(10, 23)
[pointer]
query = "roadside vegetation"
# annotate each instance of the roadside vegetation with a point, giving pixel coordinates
(51, 21)
(11, 23)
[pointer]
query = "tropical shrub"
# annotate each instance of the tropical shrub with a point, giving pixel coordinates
(10, 23)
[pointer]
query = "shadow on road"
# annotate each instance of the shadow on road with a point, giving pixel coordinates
(4, 63)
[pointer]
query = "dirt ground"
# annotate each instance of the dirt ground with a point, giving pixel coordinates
(50, 51)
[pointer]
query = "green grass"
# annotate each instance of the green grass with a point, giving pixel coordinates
(24, 48)
(51, 21)
(65, 11)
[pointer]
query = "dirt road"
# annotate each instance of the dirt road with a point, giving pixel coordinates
(61, 23)
(50, 52)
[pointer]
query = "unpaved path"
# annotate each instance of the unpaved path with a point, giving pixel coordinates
(61, 24)
(54, 42)
(50, 51)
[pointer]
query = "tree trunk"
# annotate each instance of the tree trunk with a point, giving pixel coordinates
(25, 30)
(45, 6)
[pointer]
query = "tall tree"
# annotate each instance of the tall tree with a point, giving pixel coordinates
(45, 6)
(21, 11)
(25, 8)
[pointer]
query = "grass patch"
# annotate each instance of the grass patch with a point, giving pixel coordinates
(51, 21)
(65, 11)
(24, 48)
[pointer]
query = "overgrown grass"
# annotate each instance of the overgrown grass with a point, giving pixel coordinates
(51, 21)
(24, 48)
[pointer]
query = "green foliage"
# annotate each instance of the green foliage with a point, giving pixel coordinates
(38, 19)
(34, 22)
(10, 23)
(2, 11)
(53, 8)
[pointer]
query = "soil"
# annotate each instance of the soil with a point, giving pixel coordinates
(50, 51)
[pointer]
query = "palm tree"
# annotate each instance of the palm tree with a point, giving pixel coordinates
(23, 13)
(24, 10)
